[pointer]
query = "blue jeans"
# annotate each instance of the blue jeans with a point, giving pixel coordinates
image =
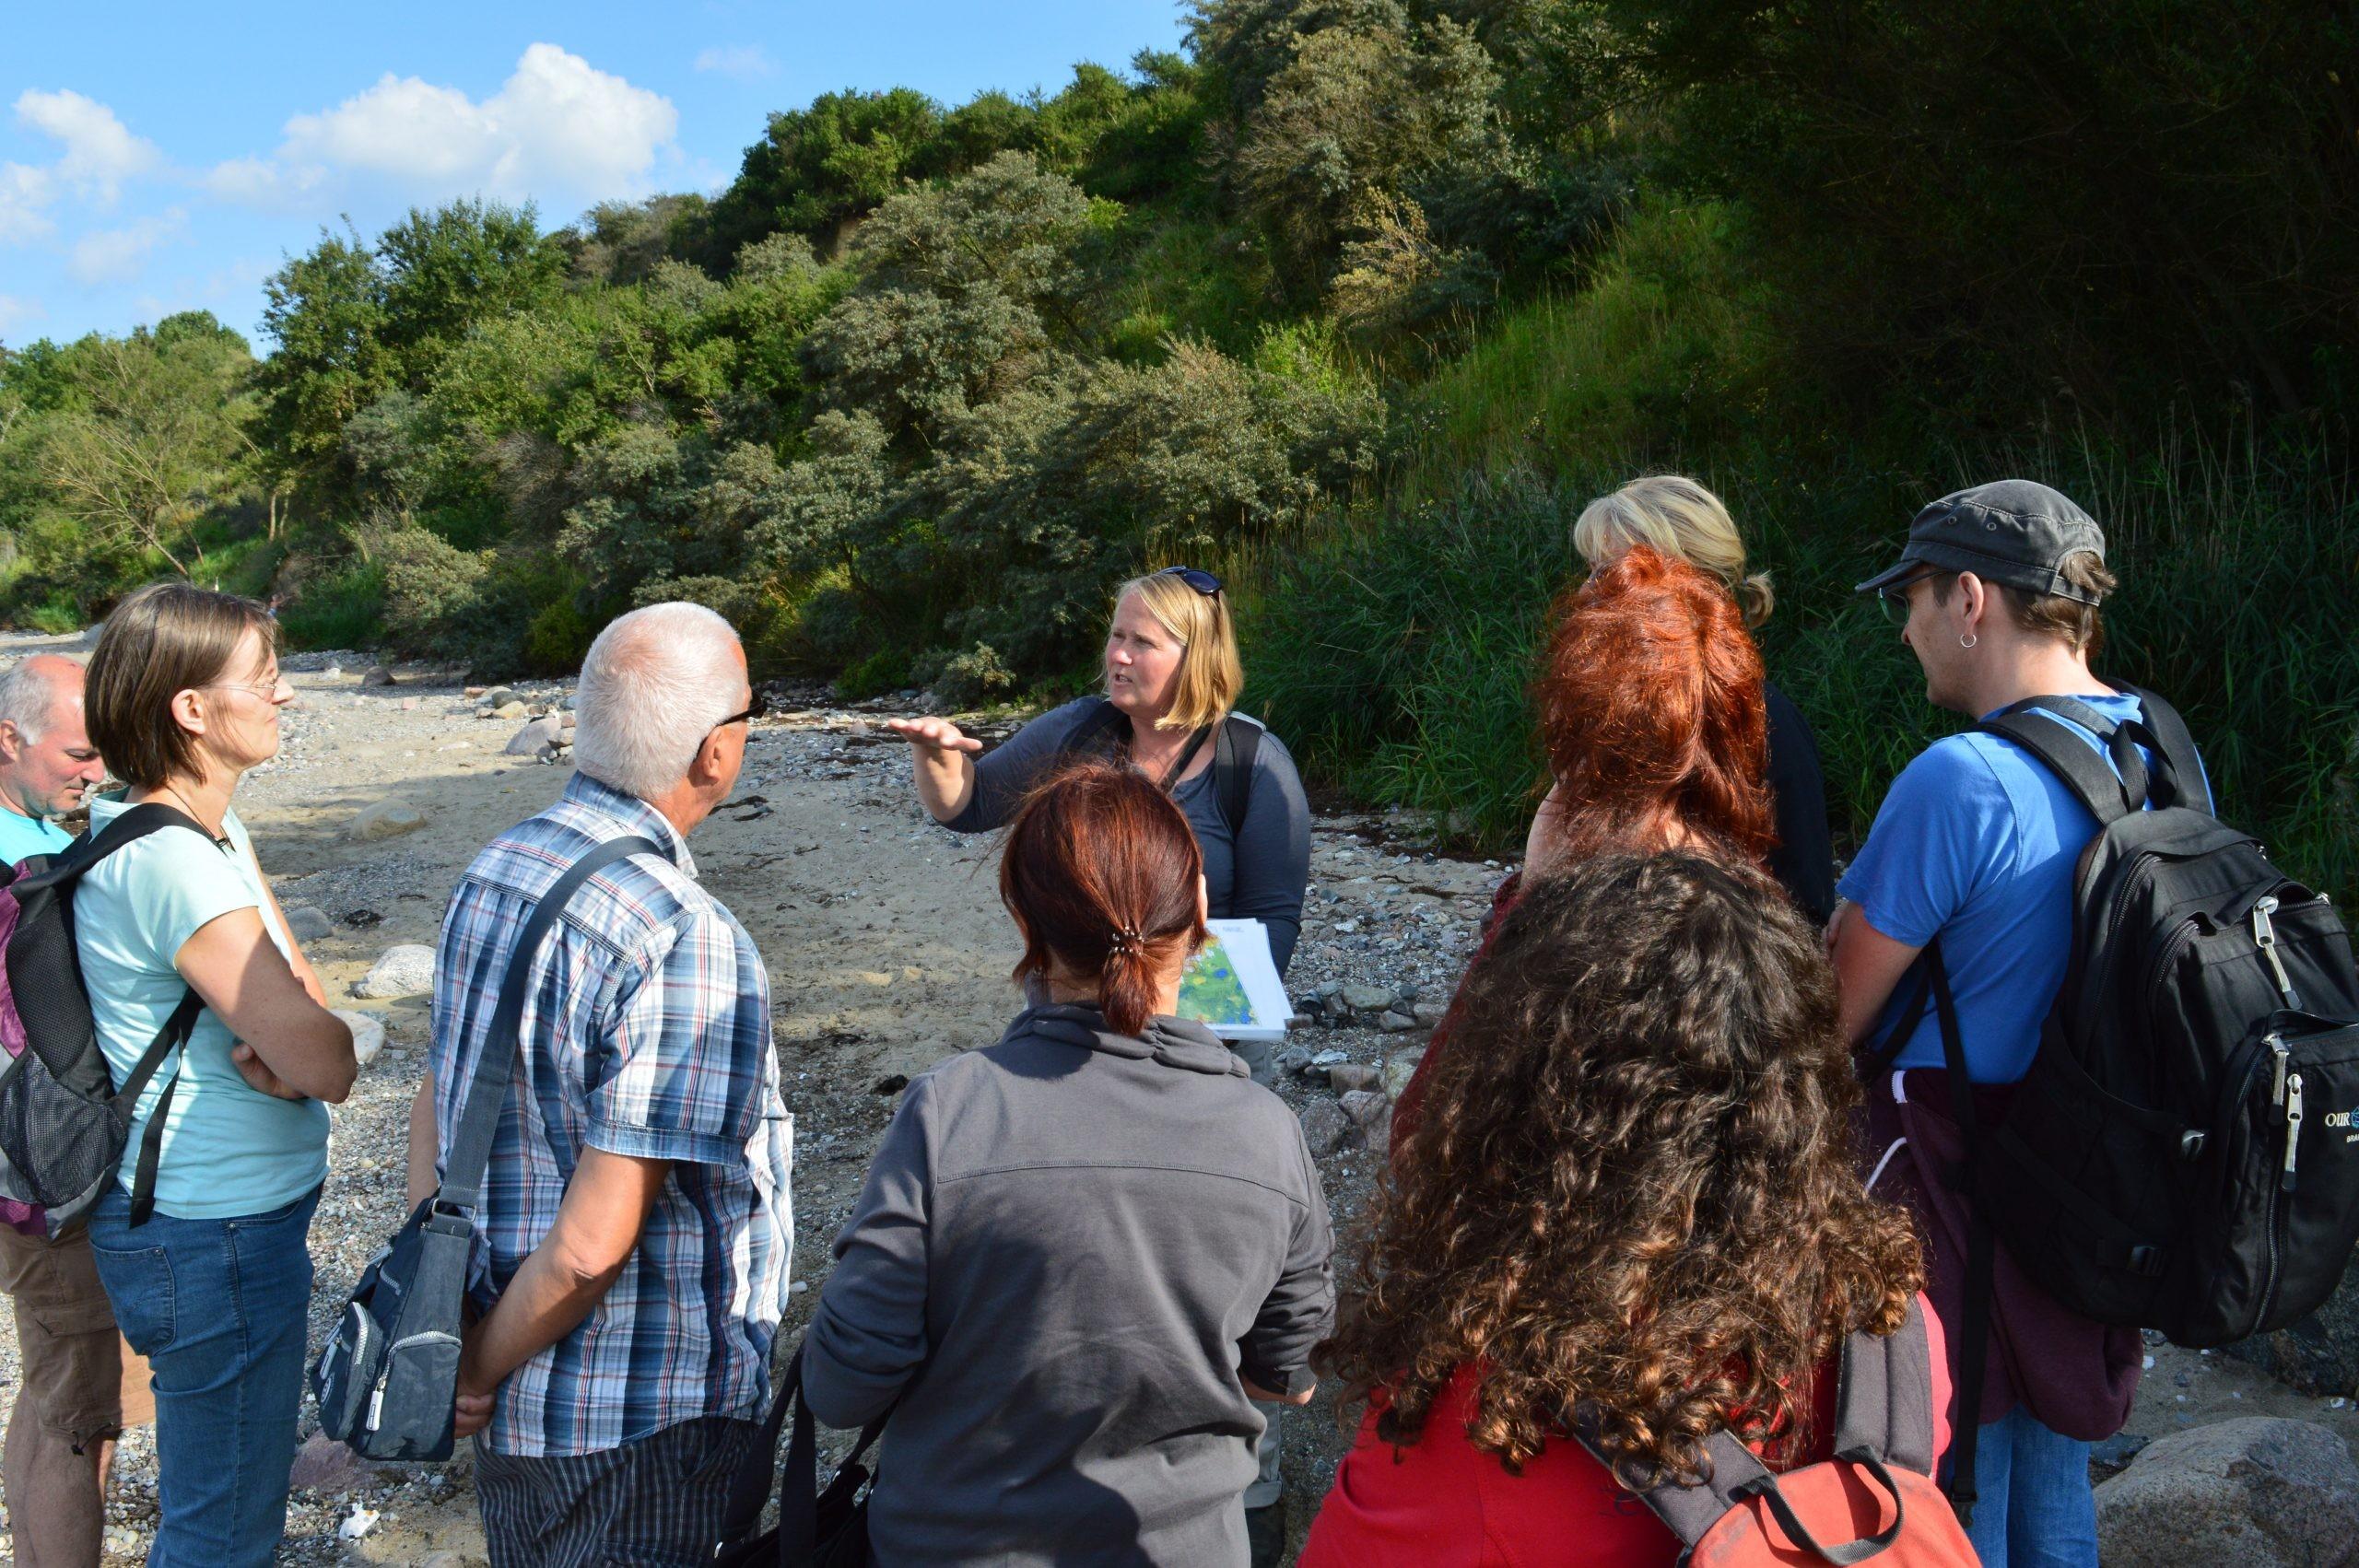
(217, 1308)
(2035, 1508)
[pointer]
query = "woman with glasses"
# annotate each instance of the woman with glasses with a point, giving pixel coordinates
(200, 1246)
(1678, 517)
(1173, 675)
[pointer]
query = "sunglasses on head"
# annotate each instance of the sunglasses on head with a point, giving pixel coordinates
(1203, 583)
(761, 706)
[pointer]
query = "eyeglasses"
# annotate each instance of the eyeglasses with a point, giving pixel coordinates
(761, 706)
(268, 690)
(1894, 597)
(1203, 583)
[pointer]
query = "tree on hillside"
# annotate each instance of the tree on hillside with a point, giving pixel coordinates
(325, 311)
(152, 435)
(816, 168)
(462, 263)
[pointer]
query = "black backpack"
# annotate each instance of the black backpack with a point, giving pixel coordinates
(63, 1121)
(2179, 1155)
(388, 1379)
(1106, 732)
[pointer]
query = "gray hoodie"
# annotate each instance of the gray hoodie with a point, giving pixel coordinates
(1070, 1245)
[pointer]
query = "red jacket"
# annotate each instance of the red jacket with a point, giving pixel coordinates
(1446, 1503)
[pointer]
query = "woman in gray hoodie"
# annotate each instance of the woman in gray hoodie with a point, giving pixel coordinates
(1083, 1251)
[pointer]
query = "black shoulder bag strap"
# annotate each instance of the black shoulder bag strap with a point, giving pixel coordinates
(2107, 798)
(1103, 731)
(127, 827)
(801, 1506)
(1974, 1337)
(461, 1186)
(2175, 744)
(1233, 751)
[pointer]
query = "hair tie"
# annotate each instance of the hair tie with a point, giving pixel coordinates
(1125, 939)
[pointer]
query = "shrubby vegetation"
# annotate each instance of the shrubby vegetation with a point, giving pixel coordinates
(1358, 299)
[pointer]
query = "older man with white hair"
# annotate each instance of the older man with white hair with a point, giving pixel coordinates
(69, 1400)
(635, 1213)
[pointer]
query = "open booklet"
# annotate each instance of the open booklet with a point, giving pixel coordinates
(1233, 987)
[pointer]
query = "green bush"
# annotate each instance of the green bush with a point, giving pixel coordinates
(342, 609)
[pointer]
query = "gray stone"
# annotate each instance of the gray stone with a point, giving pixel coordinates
(2258, 1491)
(1347, 1076)
(406, 970)
(307, 924)
(1398, 1023)
(377, 675)
(1259, 1057)
(542, 737)
(368, 1032)
(511, 709)
(1294, 1060)
(1428, 1014)
(1364, 1106)
(325, 1465)
(497, 696)
(1324, 1128)
(1398, 1068)
(1327, 988)
(1368, 998)
(389, 818)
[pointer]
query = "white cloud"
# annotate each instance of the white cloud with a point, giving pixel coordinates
(745, 62)
(557, 127)
(24, 191)
(101, 153)
(113, 255)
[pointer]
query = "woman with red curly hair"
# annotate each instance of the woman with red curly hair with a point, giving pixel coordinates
(1649, 697)
(1631, 1196)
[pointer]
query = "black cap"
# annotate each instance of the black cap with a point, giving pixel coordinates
(2013, 530)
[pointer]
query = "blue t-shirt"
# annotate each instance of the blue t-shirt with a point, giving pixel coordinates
(1977, 843)
(21, 836)
(229, 1150)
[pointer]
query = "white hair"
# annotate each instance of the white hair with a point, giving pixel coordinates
(30, 692)
(654, 684)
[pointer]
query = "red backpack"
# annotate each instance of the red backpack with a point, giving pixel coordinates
(1873, 1501)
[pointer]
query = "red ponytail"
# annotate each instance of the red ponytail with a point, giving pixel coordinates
(1101, 872)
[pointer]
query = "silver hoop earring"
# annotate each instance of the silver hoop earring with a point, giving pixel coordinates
(1968, 640)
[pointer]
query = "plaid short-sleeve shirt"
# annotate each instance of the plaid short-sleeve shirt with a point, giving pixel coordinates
(646, 1032)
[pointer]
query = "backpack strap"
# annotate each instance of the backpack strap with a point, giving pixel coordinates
(2175, 744)
(2107, 797)
(461, 1186)
(1233, 751)
(71, 865)
(1688, 1510)
(801, 1504)
(1885, 1401)
(1981, 1243)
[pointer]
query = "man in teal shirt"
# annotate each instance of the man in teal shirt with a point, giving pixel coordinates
(69, 1397)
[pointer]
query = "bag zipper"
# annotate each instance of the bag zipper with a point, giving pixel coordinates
(2264, 936)
(2286, 1094)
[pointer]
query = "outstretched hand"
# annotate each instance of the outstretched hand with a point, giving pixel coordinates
(933, 734)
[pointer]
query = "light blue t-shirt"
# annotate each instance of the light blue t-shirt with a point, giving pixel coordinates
(21, 836)
(229, 1150)
(1978, 842)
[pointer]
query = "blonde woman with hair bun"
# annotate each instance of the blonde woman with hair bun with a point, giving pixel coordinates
(1678, 517)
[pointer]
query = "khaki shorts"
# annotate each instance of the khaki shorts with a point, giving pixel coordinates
(75, 1369)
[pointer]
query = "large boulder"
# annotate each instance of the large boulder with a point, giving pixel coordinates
(2260, 1492)
(387, 819)
(541, 738)
(367, 1030)
(406, 970)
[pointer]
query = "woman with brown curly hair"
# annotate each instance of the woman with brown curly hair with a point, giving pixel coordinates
(1651, 715)
(1632, 1189)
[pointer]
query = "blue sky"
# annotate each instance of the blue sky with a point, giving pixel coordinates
(159, 157)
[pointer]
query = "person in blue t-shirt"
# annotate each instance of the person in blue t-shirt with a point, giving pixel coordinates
(1977, 843)
(69, 1403)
